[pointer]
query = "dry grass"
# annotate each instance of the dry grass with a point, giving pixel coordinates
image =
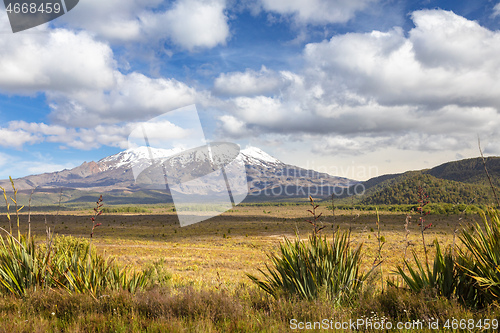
(224, 248)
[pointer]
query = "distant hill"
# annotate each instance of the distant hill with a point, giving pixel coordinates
(463, 181)
(468, 171)
(404, 191)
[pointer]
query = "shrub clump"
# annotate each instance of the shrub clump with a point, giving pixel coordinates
(313, 269)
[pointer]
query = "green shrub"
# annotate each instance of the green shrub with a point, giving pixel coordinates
(81, 270)
(472, 276)
(21, 267)
(62, 262)
(480, 260)
(75, 268)
(159, 275)
(441, 278)
(312, 269)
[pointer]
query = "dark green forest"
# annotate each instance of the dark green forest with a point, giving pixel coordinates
(460, 182)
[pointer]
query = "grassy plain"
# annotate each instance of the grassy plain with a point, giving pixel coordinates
(224, 248)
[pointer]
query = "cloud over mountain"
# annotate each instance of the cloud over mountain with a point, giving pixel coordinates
(428, 89)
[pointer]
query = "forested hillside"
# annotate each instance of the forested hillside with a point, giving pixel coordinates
(463, 181)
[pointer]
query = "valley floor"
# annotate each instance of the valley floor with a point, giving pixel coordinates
(210, 260)
(237, 242)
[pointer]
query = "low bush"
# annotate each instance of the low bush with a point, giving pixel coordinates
(472, 275)
(67, 263)
(479, 261)
(442, 278)
(310, 270)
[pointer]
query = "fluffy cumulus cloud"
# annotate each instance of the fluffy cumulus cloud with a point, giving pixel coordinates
(191, 24)
(19, 133)
(81, 80)
(93, 103)
(250, 82)
(114, 20)
(445, 60)
(317, 11)
(16, 134)
(187, 24)
(421, 91)
(133, 97)
(54, 60)
(10, 138)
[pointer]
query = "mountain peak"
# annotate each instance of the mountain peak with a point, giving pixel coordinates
(255, 153)
(139, 154)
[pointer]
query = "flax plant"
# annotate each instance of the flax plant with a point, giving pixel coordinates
(480, 259)
(25, 266)
(314, 269)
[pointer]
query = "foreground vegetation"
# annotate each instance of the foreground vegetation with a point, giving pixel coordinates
(244, 309)
(348, 268)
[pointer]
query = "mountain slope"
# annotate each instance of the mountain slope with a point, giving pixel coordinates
(267, 177)
(405, 191)
(469, 171)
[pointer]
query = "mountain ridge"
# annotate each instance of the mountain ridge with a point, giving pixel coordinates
(462, 181)
(267, 177)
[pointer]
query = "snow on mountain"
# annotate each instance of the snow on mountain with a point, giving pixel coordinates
(132, 156)
(135, 157)
(253, 155)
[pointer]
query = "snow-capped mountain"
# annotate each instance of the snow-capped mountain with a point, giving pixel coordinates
(134, 157)
(264, 173)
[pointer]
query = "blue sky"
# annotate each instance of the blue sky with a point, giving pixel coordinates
(346, 87)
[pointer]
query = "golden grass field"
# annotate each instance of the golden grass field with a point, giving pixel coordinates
(221, 250)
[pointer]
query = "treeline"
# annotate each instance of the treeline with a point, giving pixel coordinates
(127, 209)
(433, 208)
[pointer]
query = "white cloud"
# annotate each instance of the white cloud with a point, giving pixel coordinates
(113, 20)
(19, 133)
(445, 60)
(317, 11)
(54, 60)
(12, 138)
(496, 10)
(159, 132)
(50, 130)
(432, 89)
(80, 79)
(188, 24)
(196, 23)
(338, 145)
(445, 40)
(234, 127)
(250, 82)
(134, 97)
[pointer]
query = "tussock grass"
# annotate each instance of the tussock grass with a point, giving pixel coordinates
(70, 265)
(315, 268)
